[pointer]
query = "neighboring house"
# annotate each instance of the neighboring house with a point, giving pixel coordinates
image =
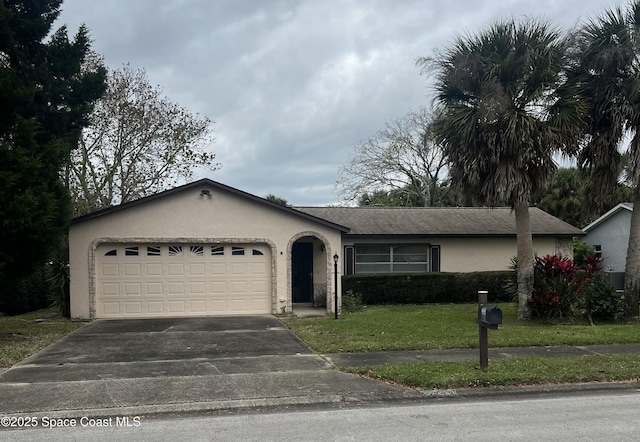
(609, 235)
(209, 249)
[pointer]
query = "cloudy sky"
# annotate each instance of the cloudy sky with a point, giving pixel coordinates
(292, 85)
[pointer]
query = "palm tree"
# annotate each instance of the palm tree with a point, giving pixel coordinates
(505, 113)
(607, 70)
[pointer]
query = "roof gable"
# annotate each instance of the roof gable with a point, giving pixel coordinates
(611, 213)
(203, 184)
(440, 221)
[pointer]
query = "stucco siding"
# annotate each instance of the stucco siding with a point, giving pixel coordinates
(189, 217)
(613, 237)
(484, 254)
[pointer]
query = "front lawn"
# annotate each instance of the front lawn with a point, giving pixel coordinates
(431, 327)
(427, 327)
(527, 371)
(24, 335)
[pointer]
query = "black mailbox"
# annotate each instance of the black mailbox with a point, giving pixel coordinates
(489, 314)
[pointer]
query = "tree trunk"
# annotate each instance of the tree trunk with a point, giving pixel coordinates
(632, 267)
(525, 260)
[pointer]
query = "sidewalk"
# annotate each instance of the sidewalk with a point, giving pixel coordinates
(455, 355)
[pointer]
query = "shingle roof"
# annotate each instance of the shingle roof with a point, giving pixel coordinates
(609, 214)
(439, 221)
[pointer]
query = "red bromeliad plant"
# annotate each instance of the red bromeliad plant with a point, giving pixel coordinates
(571, 289)
(558, 284)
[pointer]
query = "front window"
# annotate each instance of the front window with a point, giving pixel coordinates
(387, 258)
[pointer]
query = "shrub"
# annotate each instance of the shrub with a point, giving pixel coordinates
(565, 288)
(601, 300)
(426, 288)
(557, 278)
(351, 302)
(545, 305)
(28, 294)
(581, 250)
(59, 293)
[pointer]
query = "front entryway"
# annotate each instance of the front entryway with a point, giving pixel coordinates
(302, 272)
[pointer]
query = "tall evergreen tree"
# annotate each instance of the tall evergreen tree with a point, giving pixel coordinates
(45, 97)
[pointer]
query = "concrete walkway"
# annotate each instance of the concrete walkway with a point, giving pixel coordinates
(456, 355)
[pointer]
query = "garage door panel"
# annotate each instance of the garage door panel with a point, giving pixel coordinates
(259, 286)
(260, 268)
(217, 307)
(177, 307)
(197, 269)
(154, 269)
(154, 288)
(182, 279)
(133, 308)
(176, 288)
(132, 270)
(111, 308)
(197, 288)
(219, 268)
(175, 269)
(198, 306)
(111, 289)
(239, 268)
(238, 287)
(133, 289)
(239, 305)
(155, 307)
(109, 270)
(218, 287)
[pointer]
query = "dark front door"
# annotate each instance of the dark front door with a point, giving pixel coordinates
(302, 272)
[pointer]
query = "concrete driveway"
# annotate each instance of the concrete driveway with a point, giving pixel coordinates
(126, 367)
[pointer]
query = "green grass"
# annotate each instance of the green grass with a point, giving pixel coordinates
(453, 326)
(429, 327)
(529, 371)
(24, 335)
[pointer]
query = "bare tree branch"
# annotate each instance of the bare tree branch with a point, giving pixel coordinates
(138, 143)
(401, 157)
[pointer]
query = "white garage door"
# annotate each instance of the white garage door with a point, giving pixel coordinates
(155, 280)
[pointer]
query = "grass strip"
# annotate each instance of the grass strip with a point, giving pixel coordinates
(429, 327)
(514, 372)
(24, 335)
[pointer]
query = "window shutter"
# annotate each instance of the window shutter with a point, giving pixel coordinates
(435, 258)
(349, 260)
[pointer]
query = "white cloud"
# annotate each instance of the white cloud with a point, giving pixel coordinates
(292, 85)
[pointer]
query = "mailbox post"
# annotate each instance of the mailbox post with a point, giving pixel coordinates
(489, 317)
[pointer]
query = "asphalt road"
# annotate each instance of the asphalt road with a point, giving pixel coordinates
(579, 417)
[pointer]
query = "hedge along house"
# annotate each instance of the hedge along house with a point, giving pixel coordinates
(208, 249)
(200, 249)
